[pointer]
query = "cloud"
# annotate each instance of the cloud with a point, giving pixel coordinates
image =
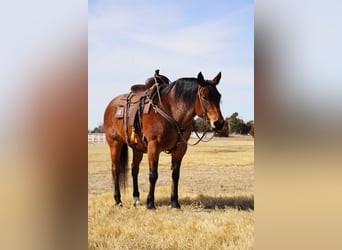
(195, 40)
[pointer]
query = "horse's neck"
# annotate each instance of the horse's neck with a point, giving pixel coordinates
(180, 111)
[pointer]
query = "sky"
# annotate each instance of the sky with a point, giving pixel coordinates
(129, 40)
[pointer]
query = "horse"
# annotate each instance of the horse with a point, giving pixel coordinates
(165, 127)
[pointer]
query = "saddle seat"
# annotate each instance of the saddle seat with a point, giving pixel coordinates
(160, 79)
(137, 88)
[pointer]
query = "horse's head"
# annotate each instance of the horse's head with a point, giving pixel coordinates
(208, 101)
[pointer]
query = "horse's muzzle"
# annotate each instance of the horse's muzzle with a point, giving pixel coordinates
(218, 125)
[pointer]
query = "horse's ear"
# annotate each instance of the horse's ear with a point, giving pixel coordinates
(216, 79)
(200, 79)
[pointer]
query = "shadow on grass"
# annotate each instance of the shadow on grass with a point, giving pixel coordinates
(240, 202)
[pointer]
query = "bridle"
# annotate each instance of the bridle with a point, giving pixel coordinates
(201, 97)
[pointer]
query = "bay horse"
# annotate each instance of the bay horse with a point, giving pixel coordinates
(165, 128)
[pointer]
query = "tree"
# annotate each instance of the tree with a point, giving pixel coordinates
(98, 129)
(234, 123)
(199, 125)
(238, 126)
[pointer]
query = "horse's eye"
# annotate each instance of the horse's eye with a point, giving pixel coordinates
(205, 97)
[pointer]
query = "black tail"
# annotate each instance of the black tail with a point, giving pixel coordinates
(123, 165)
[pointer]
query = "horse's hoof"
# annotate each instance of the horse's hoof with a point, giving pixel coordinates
(175, 205)
(150, 206)
(119, 204)
(136, 201)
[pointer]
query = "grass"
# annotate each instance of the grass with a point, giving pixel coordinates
(216, 194)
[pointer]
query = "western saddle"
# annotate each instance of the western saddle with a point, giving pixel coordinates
(135, 104)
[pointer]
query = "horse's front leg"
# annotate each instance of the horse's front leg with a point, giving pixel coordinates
(153, 158)
(177, 157)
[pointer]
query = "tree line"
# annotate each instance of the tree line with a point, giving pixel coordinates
(232, 125)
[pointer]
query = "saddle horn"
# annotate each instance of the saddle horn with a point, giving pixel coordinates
(157, 77)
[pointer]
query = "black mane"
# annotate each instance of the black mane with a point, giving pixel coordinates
(185, 89)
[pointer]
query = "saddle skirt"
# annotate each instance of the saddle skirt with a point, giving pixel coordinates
(132, 106)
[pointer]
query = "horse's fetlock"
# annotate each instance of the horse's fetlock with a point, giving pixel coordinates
(153, 176)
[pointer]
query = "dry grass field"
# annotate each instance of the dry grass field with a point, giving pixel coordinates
(216, 192)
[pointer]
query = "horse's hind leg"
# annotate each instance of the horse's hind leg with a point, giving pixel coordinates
(115, 151)
(137, 157)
